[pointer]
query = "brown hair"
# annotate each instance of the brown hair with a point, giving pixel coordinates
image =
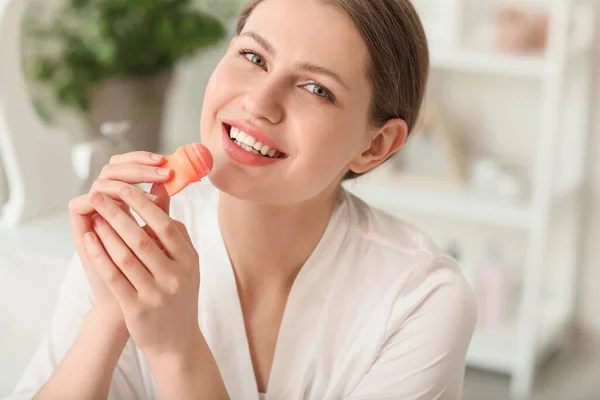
(399, 57)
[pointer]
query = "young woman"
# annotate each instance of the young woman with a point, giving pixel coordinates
(270, 281)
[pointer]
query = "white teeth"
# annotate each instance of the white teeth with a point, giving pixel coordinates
(249, 140)
(250, 144)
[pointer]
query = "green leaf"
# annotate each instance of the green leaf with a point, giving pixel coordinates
(79, 4)
(101, 39)
(42, 110)
(104, 52)
(41, 69)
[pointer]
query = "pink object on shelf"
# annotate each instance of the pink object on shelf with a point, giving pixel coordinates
(519, 30)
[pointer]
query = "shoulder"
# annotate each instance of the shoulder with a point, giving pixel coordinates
(412, 269)
(386, 231)
(390, 236)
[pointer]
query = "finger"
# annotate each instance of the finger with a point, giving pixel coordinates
(151, 233)
(165, 228)
(182, 228)
(142, 245)
(122, 257)
(112, 188)
(184, 232)
(80, 213)
(79, 218)
(138, 157)
(163, 199)
(81, 206)
(135, 173)
(110, 274)
(80, 225)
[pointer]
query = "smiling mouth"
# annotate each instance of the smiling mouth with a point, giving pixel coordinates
(252, 145)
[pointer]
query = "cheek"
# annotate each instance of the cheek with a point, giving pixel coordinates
(329, 139)
(223, 86)
(220, 87)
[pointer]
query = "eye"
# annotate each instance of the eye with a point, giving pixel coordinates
(319, 90)
(254, 57)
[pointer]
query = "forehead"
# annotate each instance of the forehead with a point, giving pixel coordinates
(311, 31)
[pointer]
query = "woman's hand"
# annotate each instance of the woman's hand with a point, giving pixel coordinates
(122, 170)
(153, 273)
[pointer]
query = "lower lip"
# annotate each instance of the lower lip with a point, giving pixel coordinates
(242, 156)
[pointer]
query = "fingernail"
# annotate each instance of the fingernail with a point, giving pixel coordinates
(97, 199)
(151, 196)
(97, 220)
(156, 157)
(163, 171)
(89, 238)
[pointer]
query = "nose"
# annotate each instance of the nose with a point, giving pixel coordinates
(263, 101)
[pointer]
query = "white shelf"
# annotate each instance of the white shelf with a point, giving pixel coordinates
(460, 205)
(497, 350)
(489, 63)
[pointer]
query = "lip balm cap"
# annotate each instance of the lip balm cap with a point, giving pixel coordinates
(190, 163)
(203, 156)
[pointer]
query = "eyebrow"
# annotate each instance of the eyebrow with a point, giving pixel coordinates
(262, 41)
(304, 66)
(316, 69)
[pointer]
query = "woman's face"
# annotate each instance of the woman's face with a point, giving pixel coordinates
(293, 80)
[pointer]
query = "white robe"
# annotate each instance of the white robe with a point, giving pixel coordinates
(377, 312)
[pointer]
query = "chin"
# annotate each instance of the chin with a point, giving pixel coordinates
(242, 183)
(240, 187)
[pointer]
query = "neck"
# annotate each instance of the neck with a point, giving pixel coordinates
(269, 244)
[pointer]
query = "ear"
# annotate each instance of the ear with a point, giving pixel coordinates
(384, 143)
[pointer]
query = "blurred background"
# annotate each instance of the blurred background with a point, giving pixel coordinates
(503, 170)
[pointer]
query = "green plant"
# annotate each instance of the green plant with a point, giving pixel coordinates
(89, 41)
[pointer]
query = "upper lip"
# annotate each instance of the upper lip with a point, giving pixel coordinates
(254, 132)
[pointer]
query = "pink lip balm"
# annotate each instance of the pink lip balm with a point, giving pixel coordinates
(189, 163)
